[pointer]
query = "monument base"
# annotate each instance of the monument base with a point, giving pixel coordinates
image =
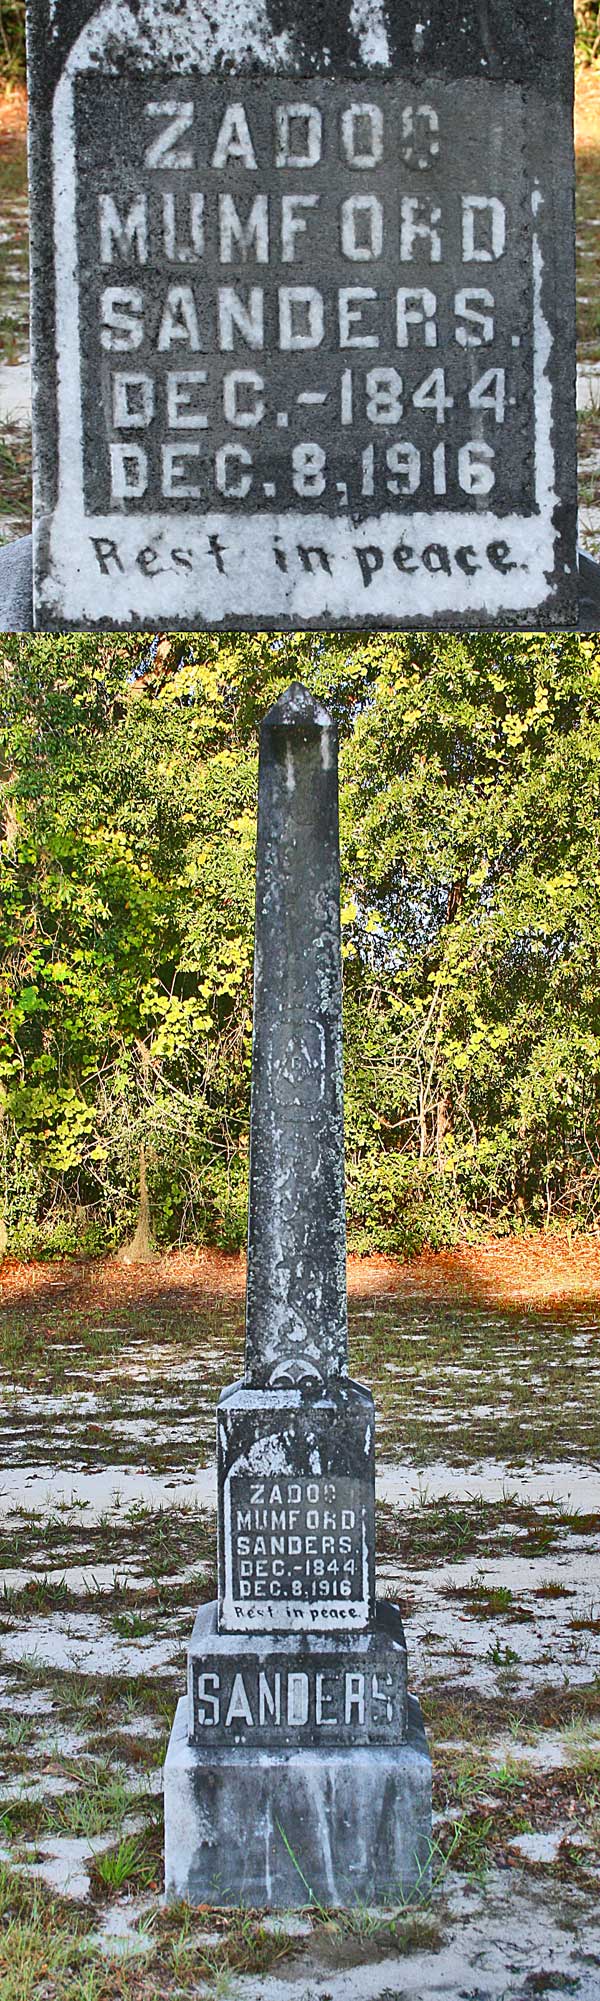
(274, 1829)
(297, 1691)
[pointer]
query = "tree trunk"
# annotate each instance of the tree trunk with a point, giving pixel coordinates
(443, 1125)
(142, 1247)
(444, 1108)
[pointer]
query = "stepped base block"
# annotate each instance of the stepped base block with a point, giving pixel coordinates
(274, 1829)
(297, 1691)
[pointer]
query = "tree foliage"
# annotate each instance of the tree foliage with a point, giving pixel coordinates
(12, 41)
(587, 33)
(470, 781)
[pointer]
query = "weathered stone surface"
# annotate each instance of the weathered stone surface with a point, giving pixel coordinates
(16, 589)
(296, 1315)
(300, 1768)
(16, 586)
(276, 1829)
(304, 319)
(296, 1500)
(296, 1691)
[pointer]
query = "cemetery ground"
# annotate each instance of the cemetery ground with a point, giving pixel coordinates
(484, 1366)
(15, 432)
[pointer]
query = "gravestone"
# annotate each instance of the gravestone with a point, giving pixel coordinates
(298, 1766)
(303, 313)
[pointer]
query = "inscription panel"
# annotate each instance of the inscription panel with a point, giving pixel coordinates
(294, 299)
(316, 1701)
(302, 367)
(295, 1552)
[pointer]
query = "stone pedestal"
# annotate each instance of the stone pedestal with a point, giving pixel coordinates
(277, 1828)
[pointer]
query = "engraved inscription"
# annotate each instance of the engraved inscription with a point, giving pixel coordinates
(294, 301)
(304, 342)
(298, 1544)
(244, 1701)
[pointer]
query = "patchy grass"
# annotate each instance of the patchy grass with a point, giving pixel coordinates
(102, 1800)
(131, 1865)
(42, 1945)
(484, 1808)
(15, 476)
(478, 1361)
(69, 1329)
(587, 133)
(162, 1541)
(442, 1531)
(492, 1603)
(47, 1950)
(465, 1714)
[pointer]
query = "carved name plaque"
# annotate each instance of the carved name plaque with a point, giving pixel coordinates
(292, 1693)
(296, 357)
(294, 1544)
(296, 1509)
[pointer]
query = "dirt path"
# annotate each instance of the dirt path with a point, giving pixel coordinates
(536, 1271)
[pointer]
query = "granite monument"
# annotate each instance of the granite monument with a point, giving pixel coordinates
(303, 313)
(298, 1766)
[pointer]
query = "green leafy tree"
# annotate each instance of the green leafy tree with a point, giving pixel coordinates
(471, 923)
(471, 840)
(12, 42)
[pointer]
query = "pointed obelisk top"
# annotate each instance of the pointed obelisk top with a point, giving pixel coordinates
(298, 709)
(296, 1328)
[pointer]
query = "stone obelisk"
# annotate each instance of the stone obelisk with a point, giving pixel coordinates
(298, 1766)
(296, 1321)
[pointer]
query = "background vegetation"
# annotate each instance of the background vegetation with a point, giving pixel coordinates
(587, 32)
(470, 825)
(12, 41)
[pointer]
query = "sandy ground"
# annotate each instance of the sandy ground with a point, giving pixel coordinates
(485, 1369)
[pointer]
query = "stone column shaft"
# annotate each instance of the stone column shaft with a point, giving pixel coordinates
(296, 1322)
